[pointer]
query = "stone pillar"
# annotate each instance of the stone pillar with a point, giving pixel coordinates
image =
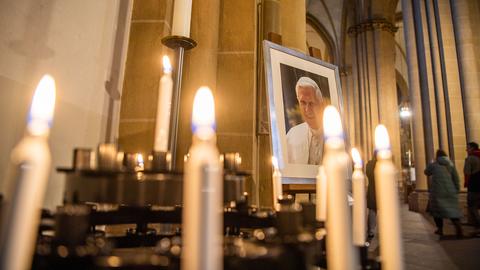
(150, 22)
(452, 78)
(293, 16)
(270, 22)
(375, 69)
(236, 93)
(271, 17)
(437, 62)
(466, 21)
(414, 88)
(427, 56)
(387, 101)
(199, 67)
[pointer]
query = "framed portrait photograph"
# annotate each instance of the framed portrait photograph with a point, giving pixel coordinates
(299, 88)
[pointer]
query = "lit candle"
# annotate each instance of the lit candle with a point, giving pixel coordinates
(391, 248)
(321, 197)
(276, 183)
(359, 200)
(162, 126)
(340, 252)
(27, 179)
(203, 191)
(140, 164)
(182, 13)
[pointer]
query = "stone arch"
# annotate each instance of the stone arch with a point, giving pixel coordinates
(323, 33)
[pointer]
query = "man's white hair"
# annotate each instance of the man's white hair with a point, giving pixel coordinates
(307, 82)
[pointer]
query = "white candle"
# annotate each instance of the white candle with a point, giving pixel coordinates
(27, 179)
(391, 247)
(162, 126)
(321, 197)
(359, 200)
(340, 252)
(277, 184)
(203, 191)
(140, 166)
(182, 14)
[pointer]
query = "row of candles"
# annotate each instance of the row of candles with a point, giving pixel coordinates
(332, 203)
(30, 164)
(203, 188)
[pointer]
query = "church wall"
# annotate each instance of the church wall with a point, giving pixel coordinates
(73, 41)
(150, 22)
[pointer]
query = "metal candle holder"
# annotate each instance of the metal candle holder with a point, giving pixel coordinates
(179, 44)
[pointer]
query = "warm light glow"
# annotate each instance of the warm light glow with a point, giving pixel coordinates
(405, 112)
(382, 141)
(357, 160)
(167, 67)
(203, 115)
(238, 159)
(43, 105)
(140, 162)
(332, 123)
(274, 163)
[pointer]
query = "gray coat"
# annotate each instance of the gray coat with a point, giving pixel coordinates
(443, 186)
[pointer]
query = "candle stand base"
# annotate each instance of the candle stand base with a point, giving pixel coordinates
(366, 263)
(174, 42)
(161, 161)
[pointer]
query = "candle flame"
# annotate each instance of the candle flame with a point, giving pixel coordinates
(382, 140)
(238, 160)
(167, 67)
(43, 105)
(275, 163)
(140, 158)
(332, 123)
(356, 157)
(140, 162)
(203, 114)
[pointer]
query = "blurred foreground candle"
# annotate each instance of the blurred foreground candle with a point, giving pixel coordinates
(203, 191)
(182, 14)
(277, 183)
(321, 198)
(27, 179)
(359, 201)
(391, 248)
(340, 252)
(162, 126)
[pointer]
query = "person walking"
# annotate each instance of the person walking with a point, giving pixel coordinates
(443, 186)
(472, 183)
(371, 199)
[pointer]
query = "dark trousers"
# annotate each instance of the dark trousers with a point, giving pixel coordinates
(439, 222)
(473, 202)
(456, 223)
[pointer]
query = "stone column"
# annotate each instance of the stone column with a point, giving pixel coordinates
(443, 14)
(293, 24)
(236, 92)
(387, 101)
(271, 17)
(375, 69)
(270, 22)
(437, 63)
(199, 68)
(415, 100)
(466, 22)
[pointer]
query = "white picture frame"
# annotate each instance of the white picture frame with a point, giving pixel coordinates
(283, 67)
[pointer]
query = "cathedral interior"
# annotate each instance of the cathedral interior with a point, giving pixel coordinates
(68, 202)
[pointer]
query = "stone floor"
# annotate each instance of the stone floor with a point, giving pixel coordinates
(426, 250)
